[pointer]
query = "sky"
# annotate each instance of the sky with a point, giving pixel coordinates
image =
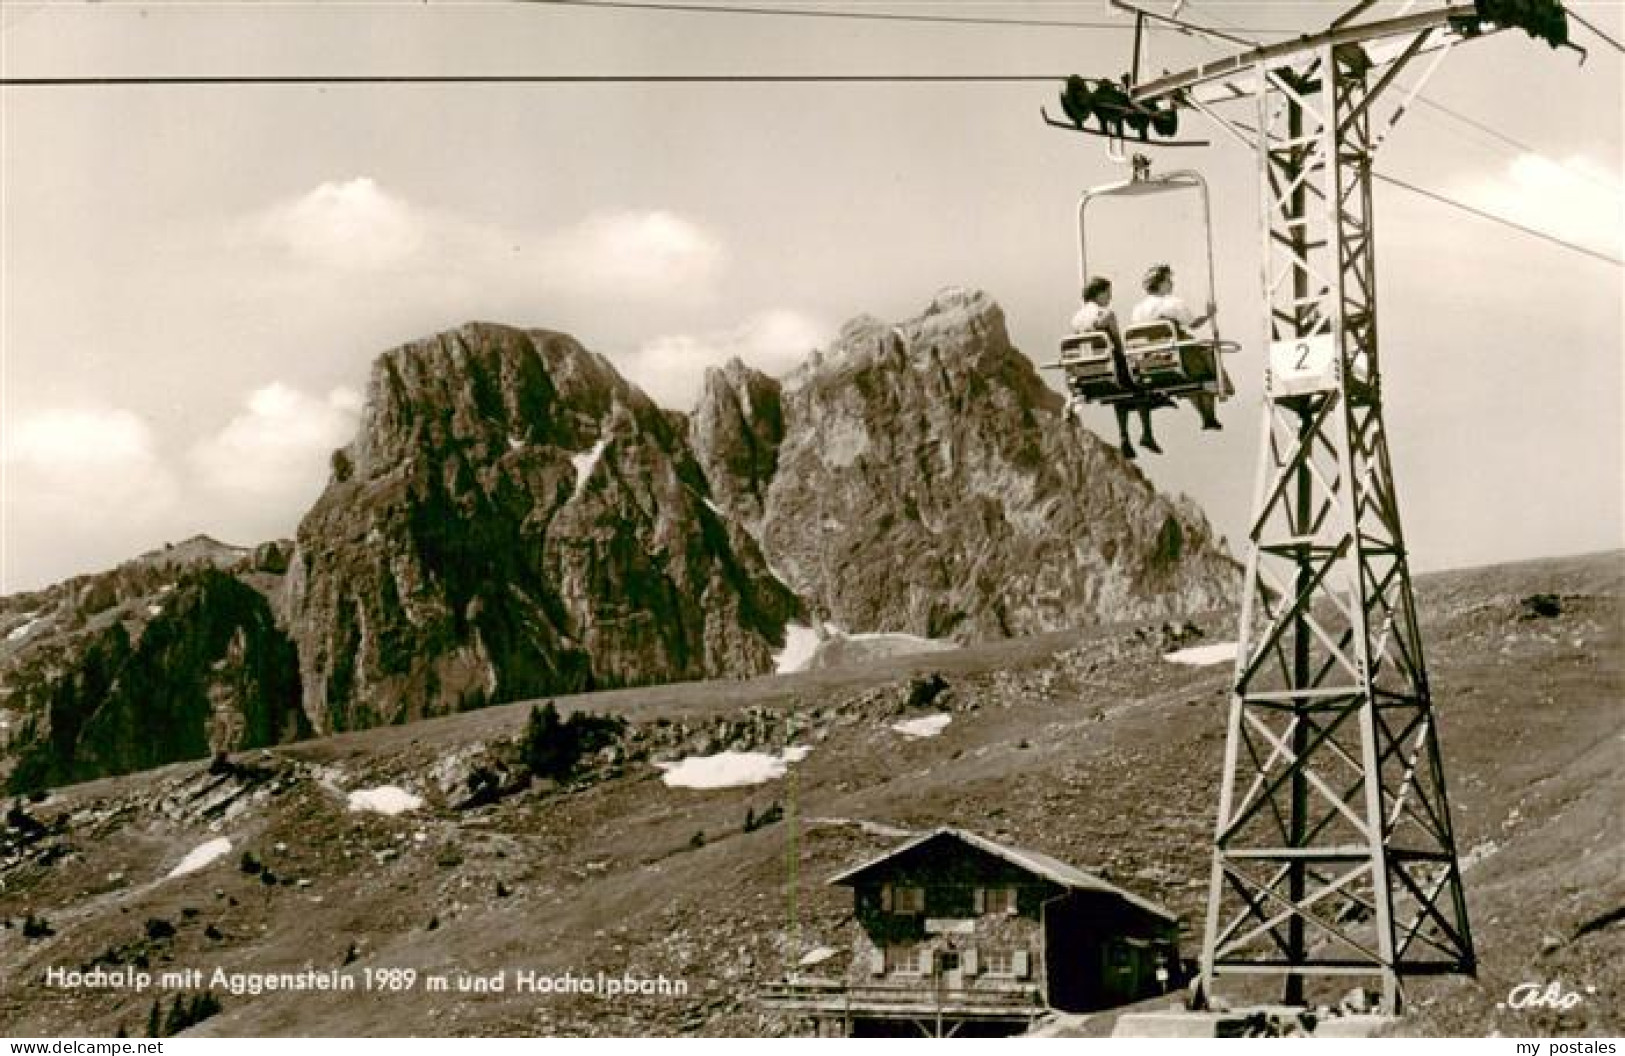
(194, 280)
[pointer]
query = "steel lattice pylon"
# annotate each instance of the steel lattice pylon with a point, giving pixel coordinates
(1333, 853)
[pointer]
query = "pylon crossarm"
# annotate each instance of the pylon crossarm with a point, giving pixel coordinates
(1354, 12)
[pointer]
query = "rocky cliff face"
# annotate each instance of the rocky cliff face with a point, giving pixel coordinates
(165, 658)
(920, 478)
(516, 519)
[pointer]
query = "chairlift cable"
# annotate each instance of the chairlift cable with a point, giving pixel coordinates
(1498, 135)
(1517, 145)
(1610, 40)
(839, 13)
(1496, 218)
(537, 78)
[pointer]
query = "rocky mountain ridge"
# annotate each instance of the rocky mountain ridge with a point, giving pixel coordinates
(514, 519)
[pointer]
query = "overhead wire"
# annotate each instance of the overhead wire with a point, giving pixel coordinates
(1517, 145)
(1497, 218)
(535, 78)
(1506, 140)
(759, 78)
(1610, 40)
(847, 14)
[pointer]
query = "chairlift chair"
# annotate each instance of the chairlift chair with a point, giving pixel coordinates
(1163, 361)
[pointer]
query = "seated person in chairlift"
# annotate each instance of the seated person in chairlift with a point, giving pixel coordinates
(1160, 303)
(1096, 314)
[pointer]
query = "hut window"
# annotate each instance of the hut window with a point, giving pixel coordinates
(998, 962)
(999, 900)
(908, 900)
(904, 958)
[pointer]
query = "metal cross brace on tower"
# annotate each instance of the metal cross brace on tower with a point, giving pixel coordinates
(1333, 853)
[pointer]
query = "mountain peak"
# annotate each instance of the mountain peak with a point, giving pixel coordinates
(515, 519)
(197, 550)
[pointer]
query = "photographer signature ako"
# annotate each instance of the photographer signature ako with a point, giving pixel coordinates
(1552, 995)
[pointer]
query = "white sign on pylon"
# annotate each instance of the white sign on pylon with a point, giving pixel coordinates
(1302, 365)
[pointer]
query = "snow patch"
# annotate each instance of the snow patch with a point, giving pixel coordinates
(924, 726)
(1202, 655)
(730, 769)
(385, 799)
(712, 507)
(514, 443)
(155, 610)
(202, 855)
(586, 462)
(800, 643)
(30, 621)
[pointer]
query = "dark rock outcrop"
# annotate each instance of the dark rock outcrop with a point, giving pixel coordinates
(736, 431)
(515, 519)
(197, 667)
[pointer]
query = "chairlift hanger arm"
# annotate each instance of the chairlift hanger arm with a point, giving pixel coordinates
(1288, 50)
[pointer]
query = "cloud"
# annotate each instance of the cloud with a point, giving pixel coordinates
(274, 452)
(671, 368)
(344, 239)
(87, 487)
(631, 254)
(353, 225)
(79, 483)
(70, 440)
(1573, 198)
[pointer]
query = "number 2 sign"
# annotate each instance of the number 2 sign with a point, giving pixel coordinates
(1303, 365)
